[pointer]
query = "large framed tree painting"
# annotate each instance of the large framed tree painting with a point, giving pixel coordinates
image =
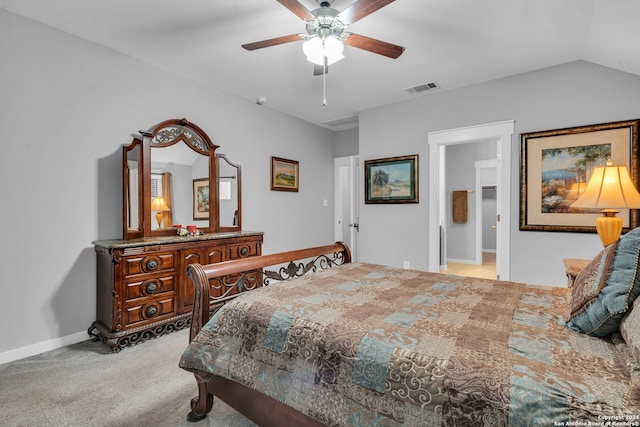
(556, 166)
(391, 180)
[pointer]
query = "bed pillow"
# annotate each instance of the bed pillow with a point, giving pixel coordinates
(630, 329)
(606, 289)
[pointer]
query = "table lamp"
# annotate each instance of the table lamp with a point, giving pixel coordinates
(159, 205)
(609, 188)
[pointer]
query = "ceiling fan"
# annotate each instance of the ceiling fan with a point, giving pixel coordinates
(326, 32)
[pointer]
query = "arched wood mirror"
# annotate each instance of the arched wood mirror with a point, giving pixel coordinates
(170, 177)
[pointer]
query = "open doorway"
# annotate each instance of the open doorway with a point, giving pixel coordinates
(500, 133)
(470, 210)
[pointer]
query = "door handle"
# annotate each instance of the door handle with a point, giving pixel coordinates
(355, 225)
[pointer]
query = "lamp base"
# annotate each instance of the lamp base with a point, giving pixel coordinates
(609, 226)
(159, 217)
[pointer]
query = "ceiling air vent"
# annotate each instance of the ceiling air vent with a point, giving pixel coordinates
(422, 88)
(342, 123)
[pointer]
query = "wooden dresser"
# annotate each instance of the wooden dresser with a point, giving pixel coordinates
(143, 291)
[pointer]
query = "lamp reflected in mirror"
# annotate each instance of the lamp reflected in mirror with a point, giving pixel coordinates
(159, 205)
(609, 188)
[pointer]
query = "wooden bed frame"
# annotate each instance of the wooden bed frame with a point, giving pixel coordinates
(229, 279)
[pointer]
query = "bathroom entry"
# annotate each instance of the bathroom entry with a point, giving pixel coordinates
(471, 235)
(501, 134)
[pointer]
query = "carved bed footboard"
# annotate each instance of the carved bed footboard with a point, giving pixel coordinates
(217, 283)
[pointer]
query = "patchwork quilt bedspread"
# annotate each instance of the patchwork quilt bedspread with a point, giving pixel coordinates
(369, 345)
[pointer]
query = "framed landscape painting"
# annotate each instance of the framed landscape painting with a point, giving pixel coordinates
(284, 174)
(556, 166)
(201, 198)
(391, 180)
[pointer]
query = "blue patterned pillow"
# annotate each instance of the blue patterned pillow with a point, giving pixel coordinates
(630, 329)
(605, 290)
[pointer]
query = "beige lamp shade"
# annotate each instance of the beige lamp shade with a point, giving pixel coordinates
(159, 205)
(609, 188)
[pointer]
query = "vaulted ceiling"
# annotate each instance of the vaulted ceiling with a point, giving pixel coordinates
(452, 43)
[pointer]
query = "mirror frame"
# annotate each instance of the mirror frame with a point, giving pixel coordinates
(197, 140)
(131, 233)
(238, 179)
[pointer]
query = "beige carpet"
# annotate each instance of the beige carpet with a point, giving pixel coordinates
(86, 385)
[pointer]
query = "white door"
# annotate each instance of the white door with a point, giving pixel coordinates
(346, 203)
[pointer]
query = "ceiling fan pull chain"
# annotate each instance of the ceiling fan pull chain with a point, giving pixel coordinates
(324, 83)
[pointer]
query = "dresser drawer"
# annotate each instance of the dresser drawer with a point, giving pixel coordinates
(243, 250)
(149, 310)
(149, 263)
(149, 287)
(143, 289)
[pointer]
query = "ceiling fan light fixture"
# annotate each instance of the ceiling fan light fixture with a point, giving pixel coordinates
(317, 49)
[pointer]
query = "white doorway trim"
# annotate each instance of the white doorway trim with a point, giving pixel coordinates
(501, 132)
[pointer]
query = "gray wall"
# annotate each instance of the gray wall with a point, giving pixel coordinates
(573, 94)
(346, 143)
(68, 106)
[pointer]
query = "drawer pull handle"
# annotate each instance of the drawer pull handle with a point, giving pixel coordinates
(151, 311)
(152, 264)
(152, 287)
(244, 251)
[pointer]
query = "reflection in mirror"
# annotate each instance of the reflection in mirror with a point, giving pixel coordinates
(229, 193)
(132, 195)
(174, 170)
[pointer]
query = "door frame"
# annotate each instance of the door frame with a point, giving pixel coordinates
(500, 132)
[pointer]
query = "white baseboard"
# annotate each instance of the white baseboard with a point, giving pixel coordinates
(41, 347)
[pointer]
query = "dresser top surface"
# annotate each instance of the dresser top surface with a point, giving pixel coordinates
(150, 241)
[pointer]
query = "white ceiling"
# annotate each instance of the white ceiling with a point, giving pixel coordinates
(452, 42)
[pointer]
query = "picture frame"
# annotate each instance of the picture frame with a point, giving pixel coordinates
(284, 174)
(201, 203)
(391, 180)
(555, 167)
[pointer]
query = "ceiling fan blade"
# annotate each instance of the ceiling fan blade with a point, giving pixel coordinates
(298, 9)
(319, 70)
(360, 9)
(372, 45)
(273, 42)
